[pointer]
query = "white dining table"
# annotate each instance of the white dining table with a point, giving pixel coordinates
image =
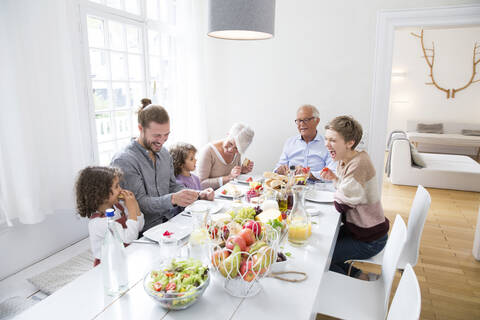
(84, 297)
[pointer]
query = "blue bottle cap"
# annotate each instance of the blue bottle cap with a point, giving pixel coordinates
(109, 212)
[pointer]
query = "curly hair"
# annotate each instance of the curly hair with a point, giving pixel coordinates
(93, 188)
(179, 153)
(349, 128)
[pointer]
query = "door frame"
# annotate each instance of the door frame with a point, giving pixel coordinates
(387, 22)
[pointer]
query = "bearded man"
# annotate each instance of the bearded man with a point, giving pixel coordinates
(148, 169)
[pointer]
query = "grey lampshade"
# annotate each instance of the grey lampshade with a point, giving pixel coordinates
(241, 19)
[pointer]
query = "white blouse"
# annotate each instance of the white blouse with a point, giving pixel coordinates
(97, 228)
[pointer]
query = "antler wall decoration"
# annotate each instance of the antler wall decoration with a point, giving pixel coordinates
(430, 59)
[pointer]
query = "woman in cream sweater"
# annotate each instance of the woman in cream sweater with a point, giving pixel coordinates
(219, 162)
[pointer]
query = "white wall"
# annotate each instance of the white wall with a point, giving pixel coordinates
(322, 53)
(411, 99)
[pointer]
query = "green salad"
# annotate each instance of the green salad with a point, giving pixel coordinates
(179, 281)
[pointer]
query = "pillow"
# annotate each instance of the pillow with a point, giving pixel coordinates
(430, 128)
(417, 158)
(466, 132)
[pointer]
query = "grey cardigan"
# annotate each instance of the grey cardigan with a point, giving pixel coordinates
(152, 184)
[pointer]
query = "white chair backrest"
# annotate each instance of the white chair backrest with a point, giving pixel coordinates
(391, 253)
(407, 302)
(416, 221)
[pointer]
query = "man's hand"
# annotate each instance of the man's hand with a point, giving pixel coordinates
(248, 168)
(131, 204)
(328, 174)
(207, 194)
(298, 170)
(283, 169)
(184, 197)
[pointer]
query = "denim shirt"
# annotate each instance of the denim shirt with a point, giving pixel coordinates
(152, 183)
(314, 154)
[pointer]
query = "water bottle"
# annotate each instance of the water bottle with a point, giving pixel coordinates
(114, 259)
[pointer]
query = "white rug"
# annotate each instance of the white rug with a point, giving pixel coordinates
(53, 279)
(13, 306)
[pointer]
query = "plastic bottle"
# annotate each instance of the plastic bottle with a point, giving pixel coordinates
(114, 260)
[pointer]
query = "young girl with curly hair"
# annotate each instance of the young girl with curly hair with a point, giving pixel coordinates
(98, 189)
(184, 162)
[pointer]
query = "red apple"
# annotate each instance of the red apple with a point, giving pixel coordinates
(218, 257)
(247, 235)
(246, 270)
(231, 241)
(254, 226)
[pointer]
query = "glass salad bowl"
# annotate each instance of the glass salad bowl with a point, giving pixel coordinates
(177, 285)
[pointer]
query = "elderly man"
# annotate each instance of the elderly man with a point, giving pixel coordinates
(306, 149)
(148, 169)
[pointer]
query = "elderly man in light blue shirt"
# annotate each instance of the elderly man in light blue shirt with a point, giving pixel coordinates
(308, 148)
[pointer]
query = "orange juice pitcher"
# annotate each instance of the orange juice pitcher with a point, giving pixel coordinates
(299, 227)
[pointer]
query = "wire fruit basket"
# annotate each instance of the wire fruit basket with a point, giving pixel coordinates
(242, 252)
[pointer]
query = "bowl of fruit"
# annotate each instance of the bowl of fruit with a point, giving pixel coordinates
(178, 284)
(243, 255)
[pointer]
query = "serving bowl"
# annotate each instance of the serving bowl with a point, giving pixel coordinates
(175, 300)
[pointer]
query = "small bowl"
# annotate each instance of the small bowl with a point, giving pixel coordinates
(178, 300)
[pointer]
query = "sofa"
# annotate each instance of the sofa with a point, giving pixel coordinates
(444, 171)
(451, 136)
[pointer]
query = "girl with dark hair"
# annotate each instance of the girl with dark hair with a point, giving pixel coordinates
(184, 163)
(98, 189)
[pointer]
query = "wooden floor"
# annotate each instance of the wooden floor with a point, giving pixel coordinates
(448, 274)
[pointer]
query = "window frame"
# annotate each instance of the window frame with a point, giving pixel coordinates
(88, 8)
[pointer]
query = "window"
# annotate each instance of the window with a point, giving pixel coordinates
(130, 56)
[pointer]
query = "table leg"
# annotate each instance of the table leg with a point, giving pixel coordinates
(478, 154)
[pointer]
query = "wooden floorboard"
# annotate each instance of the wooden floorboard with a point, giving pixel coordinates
(448, 274)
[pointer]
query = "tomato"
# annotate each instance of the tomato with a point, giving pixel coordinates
(325, 169)
(169, 274)
(157, 286)
(249, 179)
(171, 286)
(224, 191)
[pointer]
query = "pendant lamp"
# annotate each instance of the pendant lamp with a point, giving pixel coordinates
(241, 19)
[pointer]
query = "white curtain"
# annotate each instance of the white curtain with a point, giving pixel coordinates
(188, 120)
(44, 126)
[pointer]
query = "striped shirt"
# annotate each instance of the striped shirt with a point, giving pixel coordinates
(358, 199)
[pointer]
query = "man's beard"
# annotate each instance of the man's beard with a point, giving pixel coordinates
(148, 145)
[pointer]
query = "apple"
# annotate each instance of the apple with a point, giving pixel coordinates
(219, 256)
(254, 226)
(247, 235)
(246, 270)
(231, 241)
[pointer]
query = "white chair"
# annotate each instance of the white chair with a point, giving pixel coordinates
(416, 221)
(350, 298)
(407, 302)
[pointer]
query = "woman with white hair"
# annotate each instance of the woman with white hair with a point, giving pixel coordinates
(219, 162)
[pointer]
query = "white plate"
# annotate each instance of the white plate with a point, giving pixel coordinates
(229, 195)
(178, 232)
(244, 177)
(213, 206)
(319, 196)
